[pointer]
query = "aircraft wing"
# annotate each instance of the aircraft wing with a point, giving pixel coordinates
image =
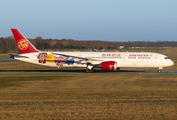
(82, 59)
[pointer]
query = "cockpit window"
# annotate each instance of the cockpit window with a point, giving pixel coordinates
(166, 57)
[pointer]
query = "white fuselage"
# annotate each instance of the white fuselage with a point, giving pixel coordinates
(123, 59)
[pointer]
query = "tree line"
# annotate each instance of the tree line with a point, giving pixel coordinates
(8, 45)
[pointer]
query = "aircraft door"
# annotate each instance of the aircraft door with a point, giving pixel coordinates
(124, 58)
(156, 57)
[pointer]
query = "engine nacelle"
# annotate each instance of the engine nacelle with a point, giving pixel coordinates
(109, 66)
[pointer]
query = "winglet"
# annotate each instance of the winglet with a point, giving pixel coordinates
(24, 46)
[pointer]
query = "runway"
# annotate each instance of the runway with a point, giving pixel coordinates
(83, 71)
(9, 60)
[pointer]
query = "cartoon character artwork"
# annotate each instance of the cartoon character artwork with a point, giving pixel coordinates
(69, 61)
(42, 57)
(60, 61)
(50, 58)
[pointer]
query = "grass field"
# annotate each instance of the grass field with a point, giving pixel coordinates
(4, 56)
(86, 95)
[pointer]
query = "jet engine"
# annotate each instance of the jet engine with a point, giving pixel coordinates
(109, 66)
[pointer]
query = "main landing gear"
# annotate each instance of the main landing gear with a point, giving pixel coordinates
(90, 68)
(90, 71)
(159, 71)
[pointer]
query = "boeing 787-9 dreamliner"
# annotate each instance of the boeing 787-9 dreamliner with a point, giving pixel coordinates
(107, 61)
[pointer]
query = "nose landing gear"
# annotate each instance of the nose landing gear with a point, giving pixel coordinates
(160, 68)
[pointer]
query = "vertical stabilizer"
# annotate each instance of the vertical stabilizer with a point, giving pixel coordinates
(24, 46)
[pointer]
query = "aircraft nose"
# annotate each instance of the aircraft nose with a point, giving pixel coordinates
(168, 63)
(171, 63)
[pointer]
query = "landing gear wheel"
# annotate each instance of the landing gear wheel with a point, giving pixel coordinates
(87, 71)
(159, 71)
(92, 71)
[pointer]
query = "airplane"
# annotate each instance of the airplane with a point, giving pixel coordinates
(107, 61)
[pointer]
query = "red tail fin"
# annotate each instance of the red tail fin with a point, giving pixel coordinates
(24, 46)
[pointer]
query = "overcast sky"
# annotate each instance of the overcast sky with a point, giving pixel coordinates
(108, 20)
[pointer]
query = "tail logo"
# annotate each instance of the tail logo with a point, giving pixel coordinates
(23, 44)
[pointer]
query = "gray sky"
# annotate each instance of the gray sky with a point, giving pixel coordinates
(108, 20)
